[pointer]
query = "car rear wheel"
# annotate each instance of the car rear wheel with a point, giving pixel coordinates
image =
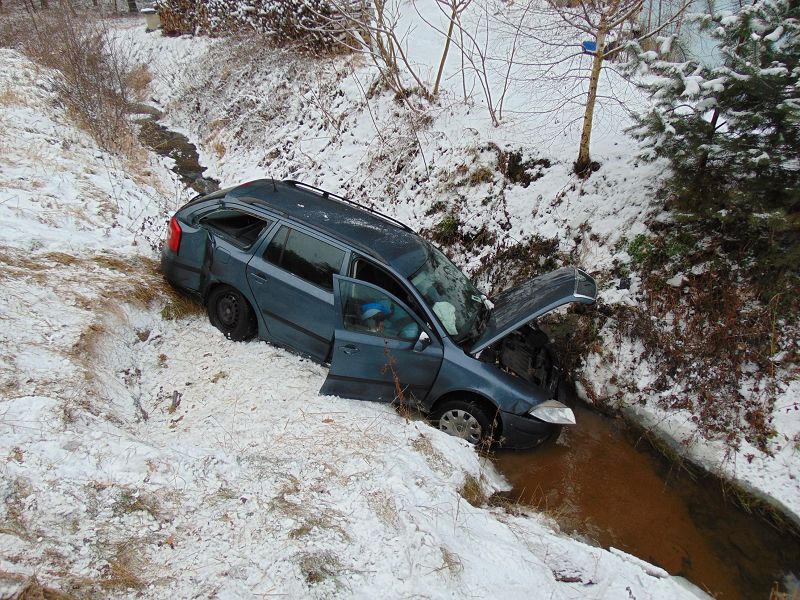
(465, 419)
(230, 312)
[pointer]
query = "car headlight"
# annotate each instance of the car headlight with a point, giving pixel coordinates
(552, 411)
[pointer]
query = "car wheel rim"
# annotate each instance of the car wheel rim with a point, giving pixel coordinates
(228, 310)
(460, 423)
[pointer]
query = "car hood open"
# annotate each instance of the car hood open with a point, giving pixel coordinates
(533, 298)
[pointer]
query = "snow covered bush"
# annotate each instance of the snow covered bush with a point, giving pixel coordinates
(316, 24)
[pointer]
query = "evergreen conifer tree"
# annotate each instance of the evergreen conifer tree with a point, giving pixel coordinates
(731, 130)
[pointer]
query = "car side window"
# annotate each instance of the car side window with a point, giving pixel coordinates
(305, 256)
(240, 228)
(365, 271)
(367, 310)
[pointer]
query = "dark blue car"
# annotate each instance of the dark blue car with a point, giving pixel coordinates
(395, 319)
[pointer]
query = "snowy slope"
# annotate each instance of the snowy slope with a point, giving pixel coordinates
(153, 458)
(259, 112)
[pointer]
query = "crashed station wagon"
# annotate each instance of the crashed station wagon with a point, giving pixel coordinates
(394, 318)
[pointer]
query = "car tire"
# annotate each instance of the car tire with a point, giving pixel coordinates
(466, 419)
(230, 312)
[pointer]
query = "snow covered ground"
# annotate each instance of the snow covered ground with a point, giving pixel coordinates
(148, 457)
(265, 112)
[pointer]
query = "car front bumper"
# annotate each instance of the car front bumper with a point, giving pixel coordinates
(523, 432)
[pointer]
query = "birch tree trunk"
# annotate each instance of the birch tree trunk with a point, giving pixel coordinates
(583, 164)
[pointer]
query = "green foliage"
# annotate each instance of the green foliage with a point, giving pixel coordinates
(640, 248)
(446, 230)
(731, 131)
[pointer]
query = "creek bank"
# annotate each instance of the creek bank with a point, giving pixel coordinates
(175, 146)
(602, 481)
(693, 556)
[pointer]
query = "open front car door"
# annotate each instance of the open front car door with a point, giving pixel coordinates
(381, 350)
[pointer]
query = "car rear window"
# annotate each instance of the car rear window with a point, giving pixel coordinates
(305, 256)
(239, 227)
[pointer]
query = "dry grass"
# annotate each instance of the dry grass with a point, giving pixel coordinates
(451, 561)
(435, 459)
(87, 343)
(179, 307)
(384, 508)
(137, 81)
(123, 570)
(130, 501)
(8, 97)
(472, 491)
(316, 567)
(219, 148)
(319, 521)
(33, 590)
(93, 80)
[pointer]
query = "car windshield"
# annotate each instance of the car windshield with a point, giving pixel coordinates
(450, 295)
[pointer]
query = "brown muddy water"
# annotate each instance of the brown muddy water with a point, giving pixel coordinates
(603, 484)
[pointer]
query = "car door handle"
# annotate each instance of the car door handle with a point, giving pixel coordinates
(350, 349)
(259, 275)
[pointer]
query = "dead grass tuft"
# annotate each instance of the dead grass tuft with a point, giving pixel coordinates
(130, 501)
(385, 508)
(121, 573)
(481, 174)
(9, 97)
(15, 522)
(138, 80)
(435, 459)
(219, 148)
(119, 263)
(87, 342)
(321, 522)
(33, 590)
(60, 258)
(450, 561)
(180, 307)
(19, 261)
(319, 566)
(472, 491)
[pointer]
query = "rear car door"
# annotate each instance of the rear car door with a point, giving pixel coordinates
(233, 231)
(381, 350)
(291, 278)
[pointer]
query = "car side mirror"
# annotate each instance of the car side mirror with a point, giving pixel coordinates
(423, 341)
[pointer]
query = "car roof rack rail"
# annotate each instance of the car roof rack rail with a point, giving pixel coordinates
(329, 195)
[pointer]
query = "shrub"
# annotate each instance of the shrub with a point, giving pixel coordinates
(315, 24)
(93, 79)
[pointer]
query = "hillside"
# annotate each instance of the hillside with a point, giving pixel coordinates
(144, 455)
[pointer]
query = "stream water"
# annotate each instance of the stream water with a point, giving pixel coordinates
(603, 484)
(175, 146)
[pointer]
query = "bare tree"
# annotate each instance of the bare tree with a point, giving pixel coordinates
(605, 20)
(372, 28)
(454, 9)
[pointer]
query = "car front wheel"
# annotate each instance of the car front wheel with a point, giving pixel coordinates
(230, 312)
(465, 419)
